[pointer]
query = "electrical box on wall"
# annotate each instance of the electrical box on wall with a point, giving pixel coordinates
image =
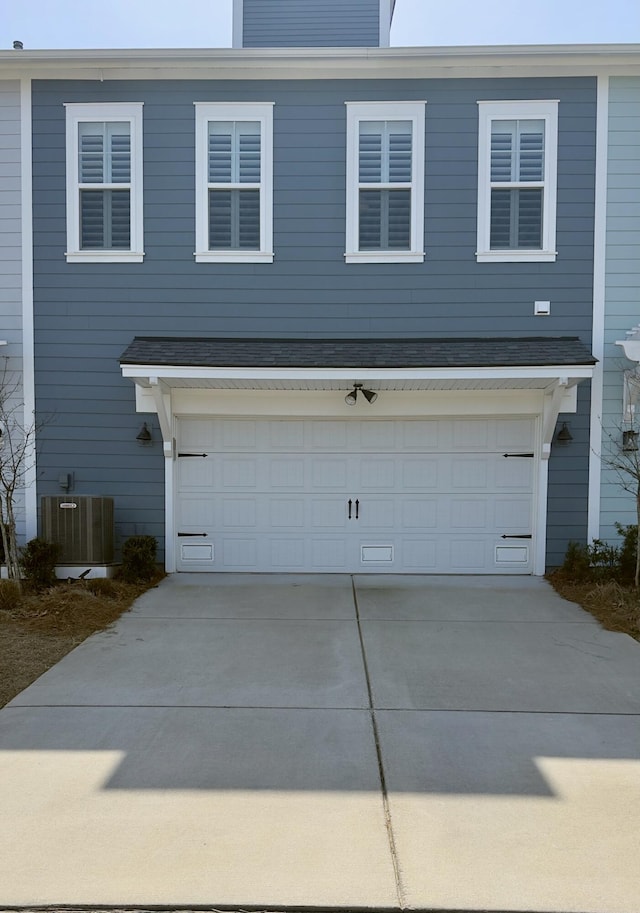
(83, 527)
(541, 308)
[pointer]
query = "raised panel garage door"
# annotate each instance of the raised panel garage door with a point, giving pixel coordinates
(346, 496)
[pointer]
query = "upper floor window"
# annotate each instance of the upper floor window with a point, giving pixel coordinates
(234, 197)
(517, 179)
(104, 182)
(385, 182)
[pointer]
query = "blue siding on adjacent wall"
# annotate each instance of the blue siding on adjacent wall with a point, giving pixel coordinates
(310, 23)
(622, 308)
(86, 314)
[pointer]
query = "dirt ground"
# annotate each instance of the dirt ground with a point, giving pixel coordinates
(38, 633)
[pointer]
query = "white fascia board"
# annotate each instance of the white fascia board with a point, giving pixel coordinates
(572, 373)
(324, 63)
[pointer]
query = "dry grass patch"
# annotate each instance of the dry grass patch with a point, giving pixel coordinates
(616, 607)
(39, 629)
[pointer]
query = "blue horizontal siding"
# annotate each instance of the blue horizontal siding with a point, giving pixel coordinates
(86, 314)
(309, 23)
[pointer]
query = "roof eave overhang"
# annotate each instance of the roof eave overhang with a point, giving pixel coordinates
(318, 63)
(539, 376)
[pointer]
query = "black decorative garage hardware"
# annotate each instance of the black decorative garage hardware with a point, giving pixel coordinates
(193, 454)
(524, 536)
(507, 455)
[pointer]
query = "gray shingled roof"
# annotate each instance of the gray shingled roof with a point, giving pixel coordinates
(357, 353)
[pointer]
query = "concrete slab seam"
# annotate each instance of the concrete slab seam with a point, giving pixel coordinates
(400, 892)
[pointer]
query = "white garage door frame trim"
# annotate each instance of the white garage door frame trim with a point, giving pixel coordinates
(544, 391)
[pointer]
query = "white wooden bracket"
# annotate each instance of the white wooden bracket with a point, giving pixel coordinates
(161, 399)
(551, 411)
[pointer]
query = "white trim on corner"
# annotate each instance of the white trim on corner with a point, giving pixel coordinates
(28, 365)
(526, 109)
(540, 520)
(237, 31)
(170, 469)
(77, 113)
(234, 111)
(599, 307)
(413, 111)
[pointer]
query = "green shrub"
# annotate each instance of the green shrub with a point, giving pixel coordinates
(601, 561)
(10, 595)
(576, 565)
(604, 560)
(139, 558)
(38, 563)
(628, 550)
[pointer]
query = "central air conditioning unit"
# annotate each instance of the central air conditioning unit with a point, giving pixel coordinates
(82, 526)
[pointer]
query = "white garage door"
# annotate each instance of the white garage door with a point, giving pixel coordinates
(423, 496)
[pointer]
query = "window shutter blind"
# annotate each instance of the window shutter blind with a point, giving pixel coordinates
(105, 217)
(385, 151)
(399, 220)
(385, 220)
(517, 157)
(502, 147)
(234, 158)
(105, 158)
(516, 219)
(370, 152)
(385, 154)
(234, 152)
(120, 153)
(531, 151)
(529, 219)
(234, 219)
(399, 140)
(248, 153)
(91, 142)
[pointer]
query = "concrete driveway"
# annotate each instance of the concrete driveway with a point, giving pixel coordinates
(420, 742)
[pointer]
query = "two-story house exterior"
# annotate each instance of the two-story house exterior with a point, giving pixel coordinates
(348, 289)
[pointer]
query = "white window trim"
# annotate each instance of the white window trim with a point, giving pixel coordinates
(235, 111)
(102, 112)
(518, 110)
(413, 111)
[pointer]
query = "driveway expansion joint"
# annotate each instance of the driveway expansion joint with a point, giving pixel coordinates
(381, 773)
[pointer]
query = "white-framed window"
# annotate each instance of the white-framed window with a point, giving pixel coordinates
(104, 182)
(385, 182)
(234, 182)
(517, 181)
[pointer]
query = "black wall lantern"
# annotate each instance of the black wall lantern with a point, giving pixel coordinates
(144, 436)
(564, 436)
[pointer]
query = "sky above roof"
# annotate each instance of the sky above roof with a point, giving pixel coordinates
(207, 23)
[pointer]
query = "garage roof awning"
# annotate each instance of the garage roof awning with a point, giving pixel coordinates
(325, 364)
